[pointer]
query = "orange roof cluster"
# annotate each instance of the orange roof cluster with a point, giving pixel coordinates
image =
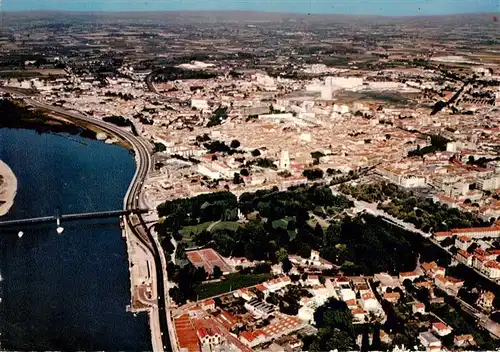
(493, 264)
(186, 334)
(208, 302)
(477, 229)
(392, 296)
(440, 326)
(282, 325)
(464, 253)
(368, 295)
(278, 281)
(226, 319)
(408, 274)
(206, 327)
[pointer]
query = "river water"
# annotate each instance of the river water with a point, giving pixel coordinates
(69, 291)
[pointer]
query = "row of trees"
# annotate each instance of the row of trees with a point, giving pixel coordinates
(424, 213)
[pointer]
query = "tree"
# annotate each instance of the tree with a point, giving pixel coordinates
(281, 255)
(235, 144)
(317, 155)
(237, 179)
(304, 251)
(217, 272)
(408, 285)
(286, 265)
(313, 174)
(291, 226)
(365, 341)
(167, 245)
(255, 153)
(334, 340)
(376, 343)
(177, 295)
(244, 172)
(318, 232)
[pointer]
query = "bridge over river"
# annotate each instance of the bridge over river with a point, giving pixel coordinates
(69, 217)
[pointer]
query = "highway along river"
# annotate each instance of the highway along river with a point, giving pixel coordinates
(69, 291)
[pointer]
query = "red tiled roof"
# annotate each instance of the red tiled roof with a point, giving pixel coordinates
(440, 326)
(408, 274)
(208, 302)
(477, 229)
(261, 287)
(247, 336)
(493, 264)
(464, 253)
(186, 334)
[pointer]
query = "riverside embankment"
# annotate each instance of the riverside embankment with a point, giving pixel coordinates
(8, 188)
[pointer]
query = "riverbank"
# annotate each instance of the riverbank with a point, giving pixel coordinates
(8, 188)
(19, 115)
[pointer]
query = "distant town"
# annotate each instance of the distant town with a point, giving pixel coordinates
(312, 183)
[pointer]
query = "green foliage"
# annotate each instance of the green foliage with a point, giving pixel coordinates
(313, 174)
(187, 279)
(317, 155)
(159, 147)
(255, 153)
(235, 144)
(219, 115)
(217, 272)
(369, 245)
(217, 146)
(177, 295)
(262, 162)
(117, 120)
(281, 255)
(192, 211)
(244, 172)
(172, 73)
(424, 213)
(334, 321)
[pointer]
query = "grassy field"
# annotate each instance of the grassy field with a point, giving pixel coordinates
(233, 282)
(282, 223)
(230, 225)
(187, 230)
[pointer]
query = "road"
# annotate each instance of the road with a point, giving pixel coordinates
(132, 198)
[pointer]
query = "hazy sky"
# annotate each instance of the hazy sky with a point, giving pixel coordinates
(371, 7)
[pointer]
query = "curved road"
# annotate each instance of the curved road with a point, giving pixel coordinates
(143, 157)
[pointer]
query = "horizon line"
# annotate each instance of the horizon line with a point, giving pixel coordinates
(312, 13)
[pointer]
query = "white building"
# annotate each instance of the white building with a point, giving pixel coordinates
(306, 314)
(463, 242)
(429, 341)
(284, 162)
(200, 104)
(209, 171)
(369, 302)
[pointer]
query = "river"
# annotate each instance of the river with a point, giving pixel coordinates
(69, 291)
